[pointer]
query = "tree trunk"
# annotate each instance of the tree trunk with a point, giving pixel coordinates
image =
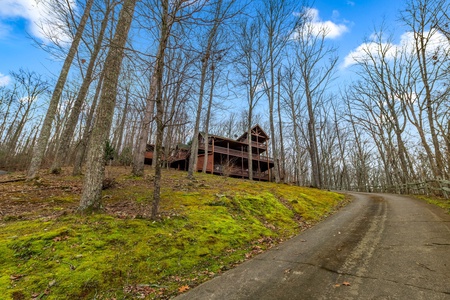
(212, 34)
(271, 96)
(250, 150)
(139, 153)
(121, 129)
(39, 150)
(208, 116)
(61, 152)
(166, 25)
(82, 148)
(92, 187)
(280, 128)
(422, 53)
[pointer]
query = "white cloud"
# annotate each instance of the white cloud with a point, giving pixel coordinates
(36, 13)
(332, 29)
(368, 51)
(4, 79)
(437, 45)
(436, 42)
(27, 9)
(351, 3)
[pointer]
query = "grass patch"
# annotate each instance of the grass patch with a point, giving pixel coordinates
(441, 202)
(208, 226)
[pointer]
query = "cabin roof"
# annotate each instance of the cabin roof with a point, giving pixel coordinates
(256, 131)
(218, 137)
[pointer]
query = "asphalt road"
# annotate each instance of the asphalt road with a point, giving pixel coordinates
(381, 246)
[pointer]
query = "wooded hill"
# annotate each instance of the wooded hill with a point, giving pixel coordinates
(160, 72)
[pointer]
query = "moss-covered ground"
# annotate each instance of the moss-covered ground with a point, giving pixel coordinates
(439, 201)
(207, 226)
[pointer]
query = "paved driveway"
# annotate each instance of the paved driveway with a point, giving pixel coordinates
(378, 247)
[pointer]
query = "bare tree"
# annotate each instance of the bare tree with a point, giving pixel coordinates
(168, 18)
(92, 186)
(221, 10)
(170, 14)
(39, 150)
(83, 144)
(139, 153)
(316, 62)
(278, 23)
(69, 129)
(7, 98)
(292, 101)
(250, 66)
(20, 102)
(431, 61)
(282, 164)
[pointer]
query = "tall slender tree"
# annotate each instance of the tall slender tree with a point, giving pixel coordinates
(316, 62)
(92, 186)
(220, 14)
(250, 67)
(278, 23)
(167, 20)
(41, 145)
(420, 17)
(69, 128)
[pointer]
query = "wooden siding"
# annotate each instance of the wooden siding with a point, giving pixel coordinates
(200, 162)
(226, 156)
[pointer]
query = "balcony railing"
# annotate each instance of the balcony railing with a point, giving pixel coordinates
(236, 153)
(255, 144)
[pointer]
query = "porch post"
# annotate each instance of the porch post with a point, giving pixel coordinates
(268, 163)
(212, 169)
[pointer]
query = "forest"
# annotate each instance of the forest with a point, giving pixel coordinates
(161, 71)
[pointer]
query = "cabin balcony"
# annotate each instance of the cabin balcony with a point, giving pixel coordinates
(235, 153)
(255, 144)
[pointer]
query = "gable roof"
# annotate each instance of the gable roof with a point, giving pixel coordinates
(255, 129)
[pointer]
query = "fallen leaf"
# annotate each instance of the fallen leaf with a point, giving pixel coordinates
(183, 288)
(337, 285)
(346, 283)
(36, 296)
(16, 277)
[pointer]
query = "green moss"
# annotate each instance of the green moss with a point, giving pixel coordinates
(213, 223)
(441, 202)
(63, 199)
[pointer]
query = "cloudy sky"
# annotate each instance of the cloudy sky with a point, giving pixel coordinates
(349, 23)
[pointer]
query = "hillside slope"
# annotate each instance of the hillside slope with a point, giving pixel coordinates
(207, 226)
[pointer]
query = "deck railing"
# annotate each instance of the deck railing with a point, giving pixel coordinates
(236, 153)
(255, 144)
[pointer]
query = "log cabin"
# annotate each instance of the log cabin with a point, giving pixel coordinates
(225, 156)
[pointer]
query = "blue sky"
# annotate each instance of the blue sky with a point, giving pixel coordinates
(351, 22)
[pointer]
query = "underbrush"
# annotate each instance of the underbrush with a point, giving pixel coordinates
(207, 226)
